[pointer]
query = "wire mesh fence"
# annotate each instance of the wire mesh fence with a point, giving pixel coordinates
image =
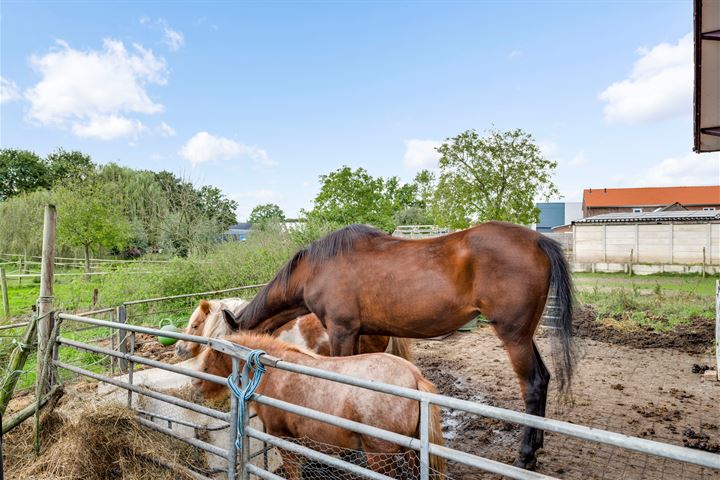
(401, 465)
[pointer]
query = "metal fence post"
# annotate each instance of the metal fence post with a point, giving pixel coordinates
(232, 447)
(131, 368)
(122, 337)
(245, 452)
(424, 440)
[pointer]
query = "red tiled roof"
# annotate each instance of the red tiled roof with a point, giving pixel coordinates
(653, 196)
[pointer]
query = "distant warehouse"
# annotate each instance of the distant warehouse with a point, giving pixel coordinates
(669, 240)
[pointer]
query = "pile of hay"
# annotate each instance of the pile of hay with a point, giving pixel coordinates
(100, 442)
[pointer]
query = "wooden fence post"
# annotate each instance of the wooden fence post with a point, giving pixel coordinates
(45, 301)
(3, 285)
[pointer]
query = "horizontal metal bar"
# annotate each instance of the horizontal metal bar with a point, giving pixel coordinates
(486, 464)
(14, 325)
(96, 312)
(402, 440)
(180, 468)
(208, 447)
(632, 443)
(314, 455)
(147, 392)
(152, 415)
(135, 328)
(264, 474)
(649, 447)
(189, 295)
(143, 360)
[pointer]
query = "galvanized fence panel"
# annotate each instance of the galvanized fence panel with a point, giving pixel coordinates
(239, 353)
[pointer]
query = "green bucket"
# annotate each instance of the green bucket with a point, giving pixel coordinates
(166, 324)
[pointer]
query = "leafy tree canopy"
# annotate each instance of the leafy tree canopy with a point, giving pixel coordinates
(88, 217)
(494, 177)
(354, 196)
(21, 171)
(264, 214)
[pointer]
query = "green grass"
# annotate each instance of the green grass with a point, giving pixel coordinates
(658, 302)
(667, 282)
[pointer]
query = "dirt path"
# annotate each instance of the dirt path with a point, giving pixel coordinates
(651, 393)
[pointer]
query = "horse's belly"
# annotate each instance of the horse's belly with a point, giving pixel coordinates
(422, 320)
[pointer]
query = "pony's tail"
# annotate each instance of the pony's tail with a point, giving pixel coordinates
(400, 347)
(437, 464)
(560, 309)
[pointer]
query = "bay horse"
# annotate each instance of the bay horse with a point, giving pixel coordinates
(361, 281)
(306, 331)
(389, 412)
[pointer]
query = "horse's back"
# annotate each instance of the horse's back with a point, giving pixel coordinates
(363, 405)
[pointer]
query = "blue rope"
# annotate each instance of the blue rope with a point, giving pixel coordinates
(243, 395)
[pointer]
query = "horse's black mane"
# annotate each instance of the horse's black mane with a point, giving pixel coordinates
(334, 244)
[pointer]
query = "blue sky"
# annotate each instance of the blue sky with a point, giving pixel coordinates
(261, 98)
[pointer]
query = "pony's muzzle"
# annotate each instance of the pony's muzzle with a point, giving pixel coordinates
(181, 351)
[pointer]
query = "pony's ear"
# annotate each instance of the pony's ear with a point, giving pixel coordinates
(230, 318)
(205, 306)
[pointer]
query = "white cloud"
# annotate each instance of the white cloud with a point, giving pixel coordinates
(690, 169)
(659, 87)
(548, 149)
(93, 92)
(166, 130)
(172, 38)
(8, 91)
(108, 127)
(205, 147)
(421, 153)
(578, 160)
(515, 54)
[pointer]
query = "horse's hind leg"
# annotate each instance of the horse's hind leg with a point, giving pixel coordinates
(534, 379)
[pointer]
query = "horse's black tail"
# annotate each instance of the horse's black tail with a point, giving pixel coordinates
(559, 309)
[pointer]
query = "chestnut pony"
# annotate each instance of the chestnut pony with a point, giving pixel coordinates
(360, 281)
(305, 331)
(395, 414)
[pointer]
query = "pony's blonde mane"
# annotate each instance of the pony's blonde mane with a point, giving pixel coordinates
(215, 325)
(271, 345)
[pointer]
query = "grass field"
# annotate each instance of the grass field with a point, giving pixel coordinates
(656, 302)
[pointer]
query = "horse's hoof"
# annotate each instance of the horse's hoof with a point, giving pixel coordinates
(528, 464)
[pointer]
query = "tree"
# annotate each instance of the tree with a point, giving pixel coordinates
(413, 216)
(69, 167)
(90, 218)
(354, 196)
(21, 218)
(215, 206)
(21, 171)
(496, 177)
(264, 214)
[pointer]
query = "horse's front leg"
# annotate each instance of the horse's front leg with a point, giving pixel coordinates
(344, 338)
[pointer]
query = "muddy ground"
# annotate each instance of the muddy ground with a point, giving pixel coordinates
(655, 393)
